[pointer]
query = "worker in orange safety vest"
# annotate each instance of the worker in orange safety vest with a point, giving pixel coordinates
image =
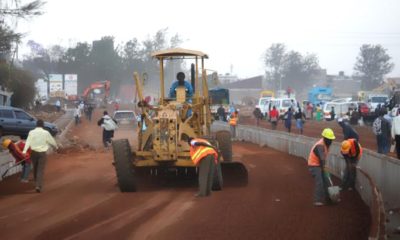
(205, 157)
(233, 120)
(351, 151)
(316, 164)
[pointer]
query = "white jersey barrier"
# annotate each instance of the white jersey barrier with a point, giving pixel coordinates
(377, 176)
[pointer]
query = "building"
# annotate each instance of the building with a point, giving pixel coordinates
(246, 91)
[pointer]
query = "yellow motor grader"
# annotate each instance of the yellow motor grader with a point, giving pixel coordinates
(162, 145)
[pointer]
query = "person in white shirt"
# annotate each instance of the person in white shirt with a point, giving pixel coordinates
(109, 125)
(39, 140)
(77, 115)
(396, 133)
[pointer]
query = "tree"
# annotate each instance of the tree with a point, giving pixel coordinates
(274, 62)
(372, 64)
(289, 69)
(17, 80)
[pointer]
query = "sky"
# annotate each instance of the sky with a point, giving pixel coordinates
(235, 34)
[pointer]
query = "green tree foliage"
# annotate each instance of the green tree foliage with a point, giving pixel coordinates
(102, 60)
(20, 82)
(289, 69)
(14, 79)
(372, 64)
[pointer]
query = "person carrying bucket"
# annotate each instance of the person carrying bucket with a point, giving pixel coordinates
(316, 164)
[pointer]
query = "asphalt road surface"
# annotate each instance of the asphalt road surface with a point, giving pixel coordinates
(80, 200)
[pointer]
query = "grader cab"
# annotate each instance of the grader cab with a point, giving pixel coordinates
(162, 146)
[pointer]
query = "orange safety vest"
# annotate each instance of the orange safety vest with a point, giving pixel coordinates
(353, 151)
(313, 160)
(233, 119)
(199, 152)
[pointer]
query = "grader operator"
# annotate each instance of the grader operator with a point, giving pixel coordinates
(162, 146)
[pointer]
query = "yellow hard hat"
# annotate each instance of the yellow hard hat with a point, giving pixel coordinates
(6, 142)
(346, 145)
(328, 133)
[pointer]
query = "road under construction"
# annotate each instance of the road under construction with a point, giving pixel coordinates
(81, 199)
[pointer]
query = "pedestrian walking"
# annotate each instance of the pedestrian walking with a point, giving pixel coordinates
(348, 130)
(316, 164)
(318, 115)
(221, 113)
(300, 120)
(395, 133)
(233, 120)
(39, 140)
(89, 112)
(77, 115)
(332, 113)
(288, 119)
(58, 105)
(109, 125)
(382, 130)
(257, 115)
(15, 150)
(351, 151)
(273, 117)
(203, 155)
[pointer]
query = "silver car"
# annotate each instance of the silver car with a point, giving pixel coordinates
(125, 118)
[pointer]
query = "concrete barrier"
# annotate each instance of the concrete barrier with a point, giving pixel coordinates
(377, 175)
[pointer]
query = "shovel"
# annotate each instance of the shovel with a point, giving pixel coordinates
(333, 191)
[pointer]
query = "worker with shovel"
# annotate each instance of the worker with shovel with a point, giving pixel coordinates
(351, 151)
(15, 150)
(316, 164)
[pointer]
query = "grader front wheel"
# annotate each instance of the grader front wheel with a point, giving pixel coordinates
(123, 160)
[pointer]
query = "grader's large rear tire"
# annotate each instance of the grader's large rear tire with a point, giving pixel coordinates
(123, 159)
(225, 144)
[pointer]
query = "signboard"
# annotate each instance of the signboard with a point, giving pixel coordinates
(71, 84)
(55, 83)
(41, 88)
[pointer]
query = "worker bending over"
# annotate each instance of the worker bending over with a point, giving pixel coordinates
(205, 157)
(316, 164)
(351, 151)
(15, 150)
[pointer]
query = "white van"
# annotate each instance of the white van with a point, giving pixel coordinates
(283, 104)
(341, 108)
(263, 104)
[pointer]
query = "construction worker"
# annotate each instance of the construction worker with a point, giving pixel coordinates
(39, 140)
(351, 151)
(205, 157)
(181, 82)
(233, 120)
(316, 164)
(15, 150)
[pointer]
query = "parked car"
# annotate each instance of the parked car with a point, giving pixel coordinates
(125, 118)
(15, 121)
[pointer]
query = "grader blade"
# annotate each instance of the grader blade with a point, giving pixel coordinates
(234, 173)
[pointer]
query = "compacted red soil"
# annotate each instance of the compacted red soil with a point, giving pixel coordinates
(81, 200)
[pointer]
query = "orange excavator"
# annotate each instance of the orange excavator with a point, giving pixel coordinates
(91, 93)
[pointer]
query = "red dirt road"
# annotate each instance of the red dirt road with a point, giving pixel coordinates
(81, 201)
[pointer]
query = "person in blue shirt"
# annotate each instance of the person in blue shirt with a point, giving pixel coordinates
(181, 82)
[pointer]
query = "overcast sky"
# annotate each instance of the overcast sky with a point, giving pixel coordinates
(232, 32)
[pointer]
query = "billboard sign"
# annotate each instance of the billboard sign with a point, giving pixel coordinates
(71, 84)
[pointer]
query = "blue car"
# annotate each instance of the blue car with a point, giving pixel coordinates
(15, 121)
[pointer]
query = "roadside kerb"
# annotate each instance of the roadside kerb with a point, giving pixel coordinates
(372, 165)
